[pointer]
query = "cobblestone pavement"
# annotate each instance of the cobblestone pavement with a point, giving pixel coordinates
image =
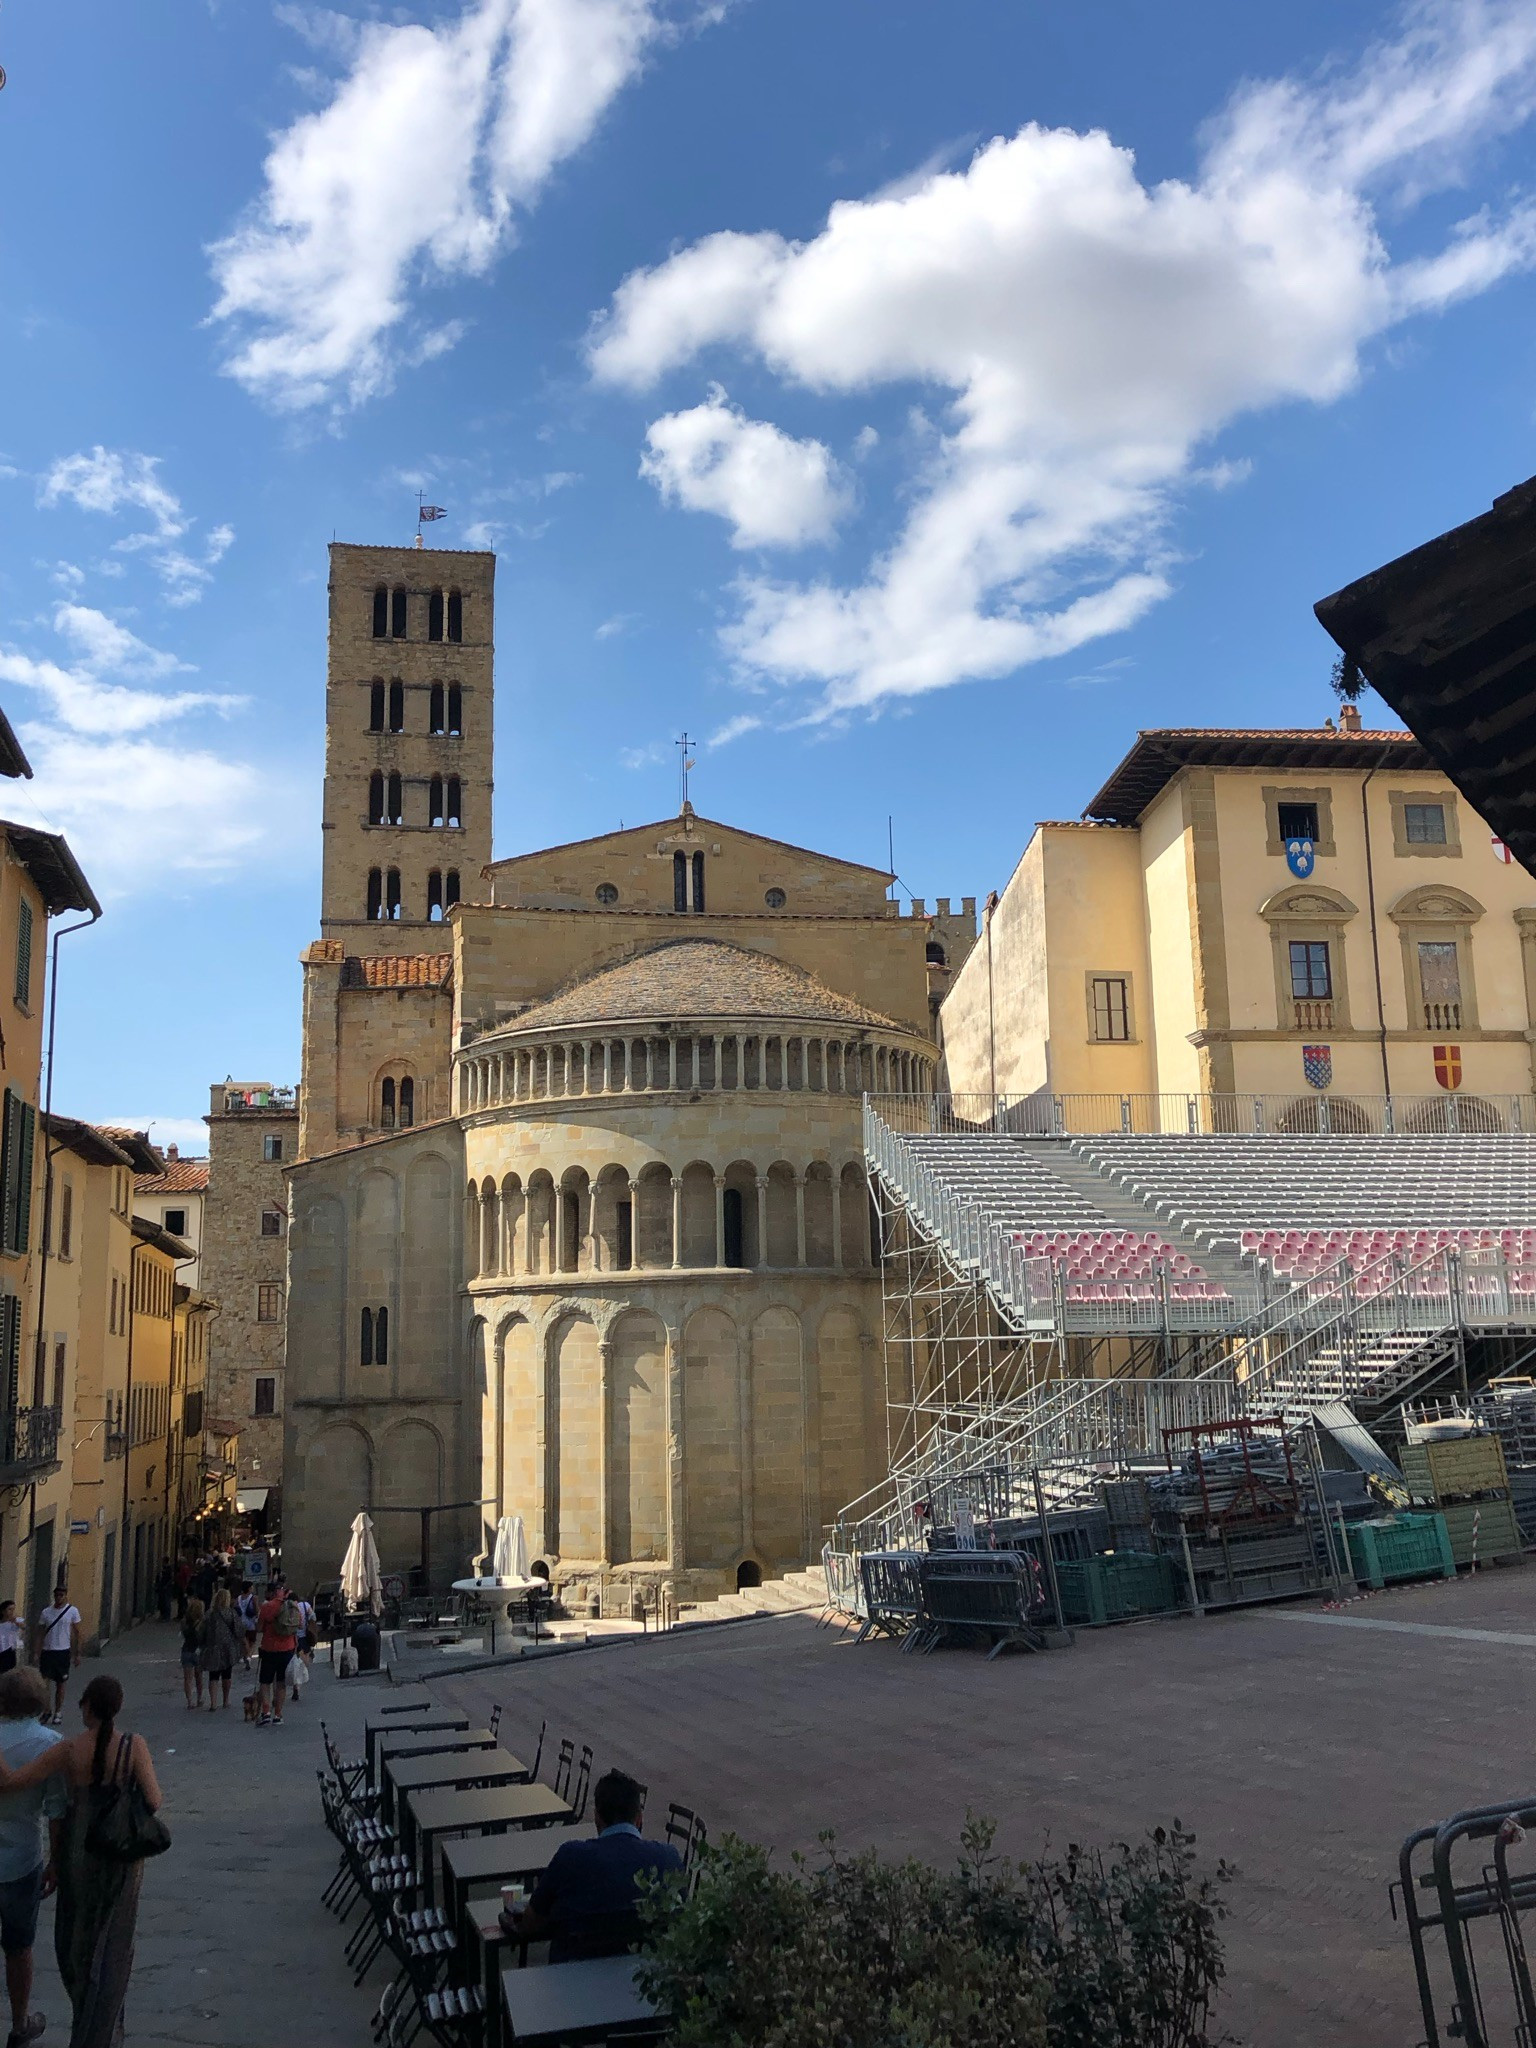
(233, 1949)
(1300, 1747)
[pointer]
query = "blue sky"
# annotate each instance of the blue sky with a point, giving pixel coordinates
(909, 400)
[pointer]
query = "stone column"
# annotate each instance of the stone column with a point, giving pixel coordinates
(672, 1065)
(799, 1219)
(837, 1220)
(741, 1059)
(719, 1061)
(762, 1221)
(604, 1463)
(719, 1216)
(628, 1068)
(696, 1078)
(677, 1222)
(528, 1227)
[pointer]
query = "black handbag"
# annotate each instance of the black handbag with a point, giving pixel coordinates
(121, 1828)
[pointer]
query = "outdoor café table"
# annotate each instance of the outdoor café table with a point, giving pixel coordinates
(424, 1815)
(429, 1721)
(447, 1741)
(425, 1773)
(515, 1858)
(573, 2002)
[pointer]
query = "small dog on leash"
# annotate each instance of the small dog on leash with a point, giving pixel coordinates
(252, 1705)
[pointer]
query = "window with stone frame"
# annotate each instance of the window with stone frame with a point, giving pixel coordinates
(269, 1302)
(264, 1395)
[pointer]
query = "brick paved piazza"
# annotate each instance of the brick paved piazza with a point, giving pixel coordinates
(1300, 1747)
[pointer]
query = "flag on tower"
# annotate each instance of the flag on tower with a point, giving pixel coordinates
(426, 512)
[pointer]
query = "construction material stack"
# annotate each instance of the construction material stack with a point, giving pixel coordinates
(1464, 1476)
(1507, 1406)
(1230, 1510)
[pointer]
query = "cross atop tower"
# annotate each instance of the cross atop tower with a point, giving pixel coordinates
(686, 761)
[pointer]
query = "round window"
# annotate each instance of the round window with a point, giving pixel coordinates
(606, 893)
(775, 899)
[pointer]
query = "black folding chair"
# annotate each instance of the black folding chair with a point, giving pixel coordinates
(537, 1754)
(495, 1721)
(563, 1764)
(583, 1781)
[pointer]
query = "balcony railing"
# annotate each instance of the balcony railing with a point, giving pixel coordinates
(29, 1443)
(1442, 1016)
(1314, 1013)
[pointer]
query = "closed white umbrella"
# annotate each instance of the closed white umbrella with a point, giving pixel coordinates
(509, 1560)
(360, 1576)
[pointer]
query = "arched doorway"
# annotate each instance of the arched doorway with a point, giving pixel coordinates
(748, 1574)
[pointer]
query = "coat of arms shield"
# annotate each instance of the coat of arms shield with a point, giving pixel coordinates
(1300, 857)
(1317, 1065)
(1448, 1066)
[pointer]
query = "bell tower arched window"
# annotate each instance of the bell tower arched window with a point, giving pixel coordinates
(381, 613)
(452, 809)
(396, 802)
(397, 706)
(376, 798)
(698, 881)
(451, 888)
(455, 709)
(679, 881)
(435, 714)
(407, 1103)
(392, 893)
(365, 1343)
(397, 602)
(375, 892)
(455, 616)
(434, 896)
(435, 800)
(435, 616)
(376, 707)
(387, 1103)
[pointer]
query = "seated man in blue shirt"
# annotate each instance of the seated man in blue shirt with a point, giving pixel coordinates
(587, 1902)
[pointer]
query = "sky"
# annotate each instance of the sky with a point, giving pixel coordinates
(907, 399)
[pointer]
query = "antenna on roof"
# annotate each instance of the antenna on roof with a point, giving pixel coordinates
(687, 761)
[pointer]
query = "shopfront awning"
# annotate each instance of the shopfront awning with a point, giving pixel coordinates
(250, 1500)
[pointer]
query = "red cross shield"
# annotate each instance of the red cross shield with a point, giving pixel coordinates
(1448, 1066)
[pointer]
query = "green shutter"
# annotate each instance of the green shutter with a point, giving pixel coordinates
(10, 1338)
(24, 952)
(10, 1123)
(24, 1178)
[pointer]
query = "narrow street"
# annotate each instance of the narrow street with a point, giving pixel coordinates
(234, 1950)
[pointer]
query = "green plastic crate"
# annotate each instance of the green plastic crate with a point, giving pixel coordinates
(1116, 1588)
(1393, 1547)
(1498, 1533)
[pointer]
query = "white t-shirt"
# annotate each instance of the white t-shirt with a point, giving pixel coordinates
(13, 1634)
(56, 1622)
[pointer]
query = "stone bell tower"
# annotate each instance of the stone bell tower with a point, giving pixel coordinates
(408, 728)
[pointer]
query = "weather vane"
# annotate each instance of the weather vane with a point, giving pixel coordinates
(682, 745)
(425, 514)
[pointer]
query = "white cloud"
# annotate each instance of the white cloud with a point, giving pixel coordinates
(85, 705)
(188, 1133)
(775, 491)
(104, 644)
(620, 623)
(1088, 334)
(106, 480)
(412, 174)
(138, 811)
(114, 481)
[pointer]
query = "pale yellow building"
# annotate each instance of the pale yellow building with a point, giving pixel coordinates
(580, 1229)
(1232, 898)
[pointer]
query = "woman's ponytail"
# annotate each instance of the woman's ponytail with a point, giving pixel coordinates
(104, 1697)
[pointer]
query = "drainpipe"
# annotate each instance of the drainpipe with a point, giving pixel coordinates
(1370, 898)
(123, 1564)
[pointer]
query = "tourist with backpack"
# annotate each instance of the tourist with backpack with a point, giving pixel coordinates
(280, 1618)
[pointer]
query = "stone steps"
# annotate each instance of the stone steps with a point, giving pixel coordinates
(802, 1592)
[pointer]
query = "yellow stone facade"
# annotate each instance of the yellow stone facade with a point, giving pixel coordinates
(1181, 894)
(613, 1271)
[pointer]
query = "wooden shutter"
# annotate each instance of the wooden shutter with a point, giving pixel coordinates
(10, 1347)
(24, 1177)
(10, 1145)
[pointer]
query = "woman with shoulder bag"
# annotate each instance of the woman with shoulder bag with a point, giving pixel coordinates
(112, 1827)
(223, 1642)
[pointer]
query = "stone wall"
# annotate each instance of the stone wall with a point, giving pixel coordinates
(238, 1261)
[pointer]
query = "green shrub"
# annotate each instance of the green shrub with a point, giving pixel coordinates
(1088, 1951)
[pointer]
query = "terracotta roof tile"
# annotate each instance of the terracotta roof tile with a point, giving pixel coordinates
(698, 978)
(181, 1177)
(398, 970)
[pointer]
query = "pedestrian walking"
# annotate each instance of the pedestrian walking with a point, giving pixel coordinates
(248, 1607)
(165, 1590)
(303, 1652)
(192, 1653)
(13, 1633)
(98, 1896)
(57, 1636)
(279, 1619)
(223, 1642)
(28, 1864)
(183, 1581)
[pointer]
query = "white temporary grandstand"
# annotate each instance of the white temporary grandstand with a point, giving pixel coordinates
(1056, 1302)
